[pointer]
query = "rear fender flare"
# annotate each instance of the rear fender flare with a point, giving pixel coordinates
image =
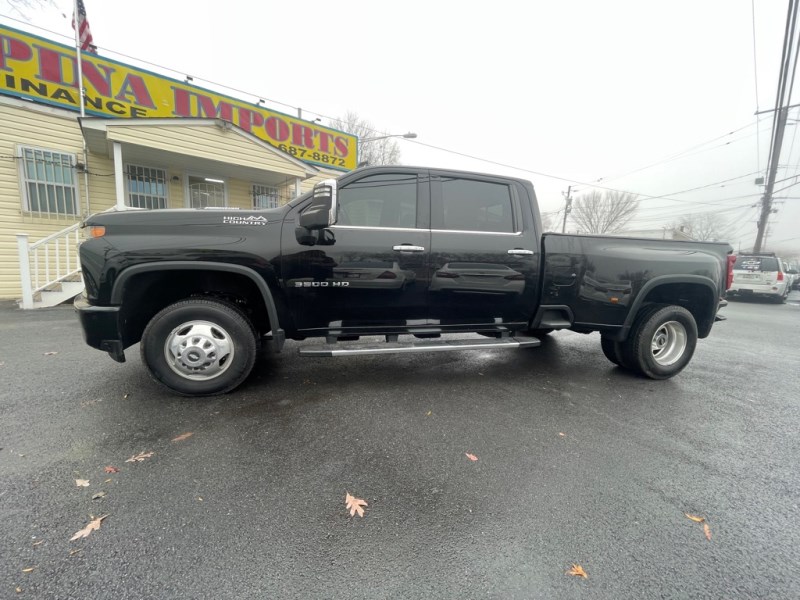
(648, 287)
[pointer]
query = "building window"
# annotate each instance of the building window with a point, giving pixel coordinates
(205, 192)
(147, 187)
(48, 179)
(265, 196)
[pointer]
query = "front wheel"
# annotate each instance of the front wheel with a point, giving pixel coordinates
(661, 342)
(199, 347)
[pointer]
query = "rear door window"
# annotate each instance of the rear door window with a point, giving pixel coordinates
(766, 264)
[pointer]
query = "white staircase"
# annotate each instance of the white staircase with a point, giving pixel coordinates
(49, 269)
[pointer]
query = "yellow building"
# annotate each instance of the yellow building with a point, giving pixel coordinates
(187, 148)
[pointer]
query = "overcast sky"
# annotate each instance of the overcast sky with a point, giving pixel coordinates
(569, 92)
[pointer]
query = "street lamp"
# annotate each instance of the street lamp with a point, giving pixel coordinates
(408, 136)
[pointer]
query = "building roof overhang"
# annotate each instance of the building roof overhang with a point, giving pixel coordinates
(259, 162)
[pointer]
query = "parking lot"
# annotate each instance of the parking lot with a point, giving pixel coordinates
(578, 462)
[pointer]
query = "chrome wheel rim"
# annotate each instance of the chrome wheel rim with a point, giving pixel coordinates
(199, 350)
(668, 343)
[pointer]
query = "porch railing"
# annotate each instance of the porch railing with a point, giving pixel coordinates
(49, 261)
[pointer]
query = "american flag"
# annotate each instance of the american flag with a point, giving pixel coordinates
(81, 24)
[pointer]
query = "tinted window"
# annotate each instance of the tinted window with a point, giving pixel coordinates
(379, 201)
(476, 206)
(756, 263)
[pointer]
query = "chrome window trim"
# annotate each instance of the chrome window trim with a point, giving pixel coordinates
(516, 233)
(380, 228)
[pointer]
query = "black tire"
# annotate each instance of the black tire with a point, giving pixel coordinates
(661, 342)
(213, 345)
(613, 352)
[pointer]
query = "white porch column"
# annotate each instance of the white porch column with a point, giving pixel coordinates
(25, 270)
(297, 191)
(119, 176)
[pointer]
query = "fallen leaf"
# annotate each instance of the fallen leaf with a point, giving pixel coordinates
(18, 590)
(50, 353)
(125, 397)
(98, 495)
(562, 434)
(199, 499)
(695, 518)
(182, 437)
(140, 457)
(354, 504)
(93, 525)
(707, 531)
(577, 571)
(28, 570)
(428, 414)
(472, 457)
(37, 543)
(110, 469)
(108, 481)
(82, 482)
(74, 552)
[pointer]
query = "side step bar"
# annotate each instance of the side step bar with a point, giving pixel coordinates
(517, 341)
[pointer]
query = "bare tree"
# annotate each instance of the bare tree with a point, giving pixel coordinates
(378, 152)
(24, 7)
(604, 212)
(706, 226)
(549, 221)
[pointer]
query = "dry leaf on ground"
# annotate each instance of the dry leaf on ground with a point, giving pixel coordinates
(707, 531)
(577, 571)
(182, 437)
(140, 457)
(19, 590)
(562, 434)
(50, 353)
(28, 570)
(472, 457)
(98, 495)
(82, 482)
(354, 504)
(93, 525)
(695, 518)
(111, 469)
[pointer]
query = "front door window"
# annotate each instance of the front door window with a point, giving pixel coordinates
(206, 191)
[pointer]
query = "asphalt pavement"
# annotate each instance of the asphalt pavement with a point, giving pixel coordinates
(578, 462)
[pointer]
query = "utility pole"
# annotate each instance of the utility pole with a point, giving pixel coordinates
(785, 85)
(766, 199)
(567, 208)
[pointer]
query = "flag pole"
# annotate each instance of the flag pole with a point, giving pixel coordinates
(77, 27)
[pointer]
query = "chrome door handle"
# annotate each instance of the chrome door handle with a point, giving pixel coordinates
(408, 248)
(520, 251)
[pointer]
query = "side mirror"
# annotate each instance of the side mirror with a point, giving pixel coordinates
(321, 213)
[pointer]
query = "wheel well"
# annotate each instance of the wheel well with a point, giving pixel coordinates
(145, 294)
(698, 299)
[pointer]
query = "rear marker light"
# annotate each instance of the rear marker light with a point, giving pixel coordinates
(96, 231)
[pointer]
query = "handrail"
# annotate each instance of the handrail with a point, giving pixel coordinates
(55, 235)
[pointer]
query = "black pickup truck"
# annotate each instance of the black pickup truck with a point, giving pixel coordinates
(410, 255)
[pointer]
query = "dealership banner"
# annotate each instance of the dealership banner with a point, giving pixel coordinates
(44, 71)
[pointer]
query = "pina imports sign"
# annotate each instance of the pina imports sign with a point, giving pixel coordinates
(45, 71)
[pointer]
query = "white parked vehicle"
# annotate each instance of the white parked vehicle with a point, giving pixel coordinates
(761, 274)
